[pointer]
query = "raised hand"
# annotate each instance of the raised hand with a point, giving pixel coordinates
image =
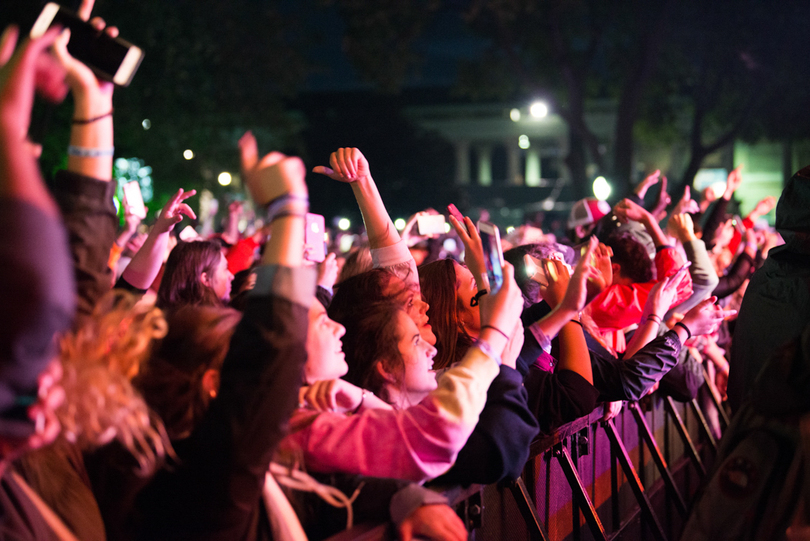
(705, 317)
(686, 204)
(331, 395)
(682, 227)
(763, 207)
(21, 73)
(733, 181)
(661, 296)
(473, 249)
(81, 79)
(327, 272)
(272, 176)
(502, 310)
(650, 180)
(585, 282)
(173, 211)
(347, 165)
(627, 210)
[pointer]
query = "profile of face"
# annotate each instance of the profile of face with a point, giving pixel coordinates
(415, 306)
(466, 289)
(417, 378)
(325, 357)
(220, 280)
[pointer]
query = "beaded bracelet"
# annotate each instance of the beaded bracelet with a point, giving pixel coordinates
(85, 152)
(91, 120)
(484, 346)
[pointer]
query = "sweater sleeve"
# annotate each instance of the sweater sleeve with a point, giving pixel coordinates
(704, 278)
(559, 397)
(218, 483)
(631, 378)
(38, 295)
(397, 259)
(90, 219)
(498, 448)
(738, 273)
(416, 444)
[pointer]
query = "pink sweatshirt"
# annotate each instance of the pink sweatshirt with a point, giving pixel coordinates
(415, 444)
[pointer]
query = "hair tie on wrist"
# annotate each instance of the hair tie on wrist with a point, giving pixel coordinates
(85, 152)
(91, 120)
(578, 322)
(496, 329)
(688, 332)
(477, 297)
(362, 399)
(655, 317)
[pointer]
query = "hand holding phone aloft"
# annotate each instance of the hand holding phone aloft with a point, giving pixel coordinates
(493, 254)
(86, 51)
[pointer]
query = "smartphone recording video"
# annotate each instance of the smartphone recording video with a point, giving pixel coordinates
(133, 199)
(493, 254)
(432, 224)
(111, 59)
(315, 238)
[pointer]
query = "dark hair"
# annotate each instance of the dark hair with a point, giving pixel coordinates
(372, 337)
(631, 256)
(171, 382)
(360, 293)
(181, 283)
(357, 262)
(438, 282)
(530, 288)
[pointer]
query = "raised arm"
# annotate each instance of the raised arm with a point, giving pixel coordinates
(146, 263)
(84, 191)
(349, 165)
(37, 286)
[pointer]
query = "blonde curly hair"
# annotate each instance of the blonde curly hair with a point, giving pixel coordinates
(100, 359)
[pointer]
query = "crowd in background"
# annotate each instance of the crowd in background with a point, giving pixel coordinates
(224, 386)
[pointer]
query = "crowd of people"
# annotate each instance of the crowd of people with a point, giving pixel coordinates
(225, 387)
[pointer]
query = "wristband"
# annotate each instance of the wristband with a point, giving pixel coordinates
(484, 346)
(91, 120)
(578, 322)
(654, 317)
(496, 329)
(287, 205)
(688, 332)
(85, 152)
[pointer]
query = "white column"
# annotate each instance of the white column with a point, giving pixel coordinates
(462, 162)
(484, 165)
(513, 177)
(563, 153)
(533, 173)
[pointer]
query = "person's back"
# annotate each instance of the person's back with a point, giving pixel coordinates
(776, 306)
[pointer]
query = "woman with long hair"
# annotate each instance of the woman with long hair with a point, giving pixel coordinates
(196, 274)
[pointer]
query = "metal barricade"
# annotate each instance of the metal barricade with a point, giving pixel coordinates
(629, 478)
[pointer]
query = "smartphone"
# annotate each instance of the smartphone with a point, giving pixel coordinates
(432, 224)
(188, 234)
(111, 59)
(133, 200)
(493, 254)
(315, 238)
